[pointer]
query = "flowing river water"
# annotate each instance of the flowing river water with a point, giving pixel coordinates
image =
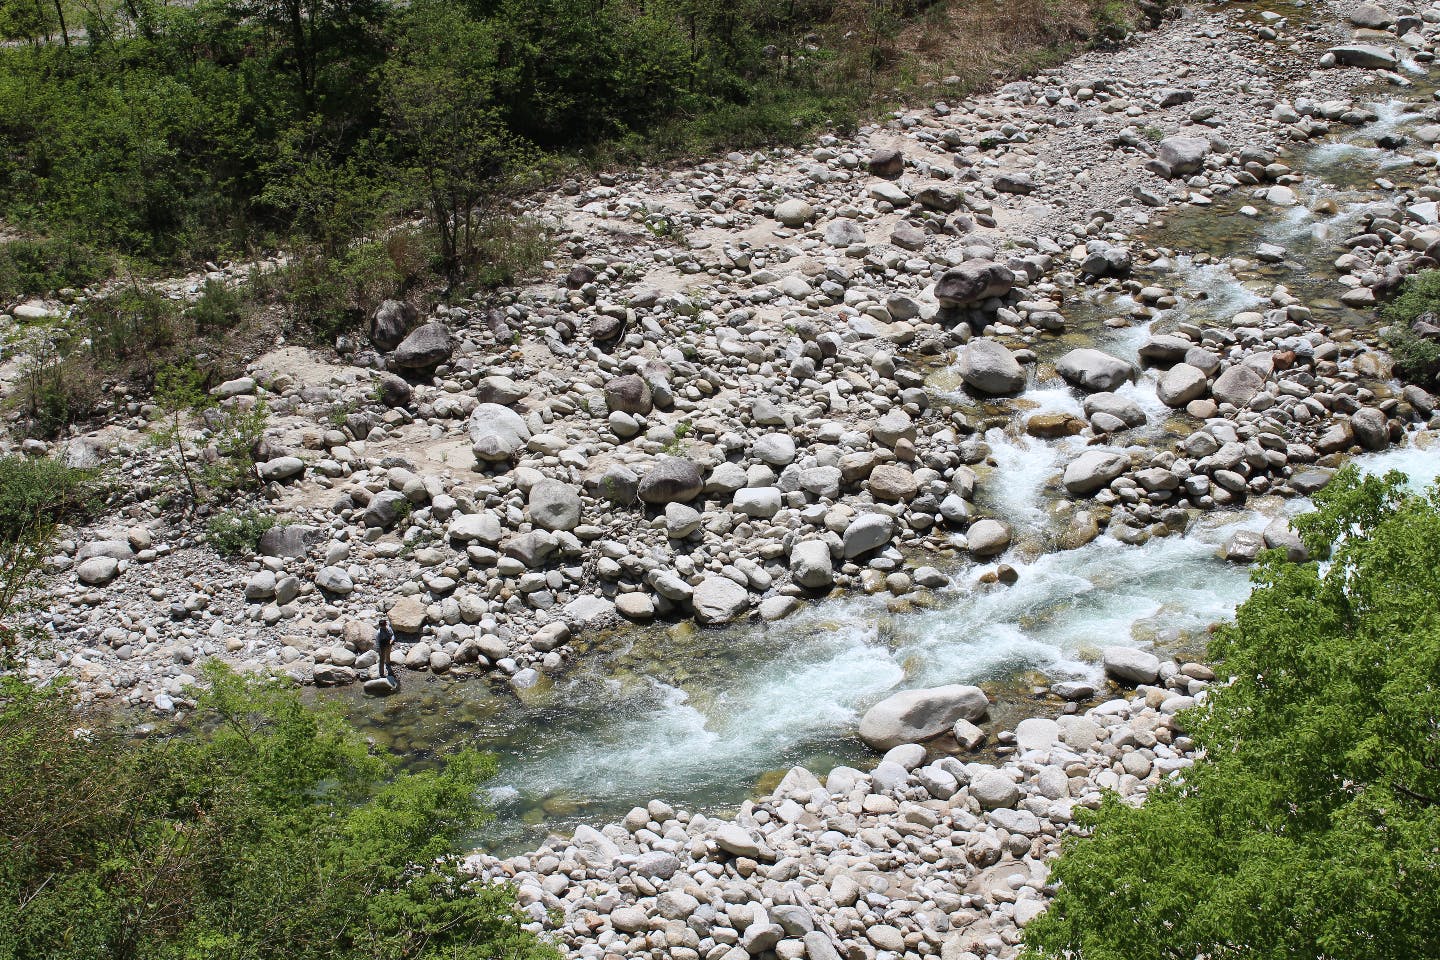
(705, 717)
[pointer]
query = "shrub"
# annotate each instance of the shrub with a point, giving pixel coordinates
(30, 267)
(134, 331)
(237, 532)
(36, 495)
(56, 390)
(270, 830)
(219, 308)
(1309, 828)
(509, 248)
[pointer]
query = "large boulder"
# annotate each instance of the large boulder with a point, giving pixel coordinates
(886, 162)
(629, 394)
(892, 483)
(989, 367)
(554, 505)
(810, 565)
(497, 433)
(1364, 55)
(794, 213)
(915, 715)
(973, 281)
(719, 599)
(1093, 370)
(426, 348)
(391, 322)
(1129, 665)
(867, 532)
(1093, 470)
(1183, 155)
(1238, 385)
(1181, 384)
(671, 480)
(988, 538)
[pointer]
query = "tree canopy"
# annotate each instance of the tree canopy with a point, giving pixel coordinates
(269, 831)
(1311, 826)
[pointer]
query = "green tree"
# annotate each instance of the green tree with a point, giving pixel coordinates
(269, 831)
(459, 158)
(1311, 827)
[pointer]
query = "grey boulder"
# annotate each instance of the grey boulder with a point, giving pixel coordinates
(915, 715)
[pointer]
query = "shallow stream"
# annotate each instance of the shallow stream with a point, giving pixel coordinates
(703, 718)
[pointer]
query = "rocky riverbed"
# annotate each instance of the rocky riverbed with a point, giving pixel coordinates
(759, 380)
(1089, 307)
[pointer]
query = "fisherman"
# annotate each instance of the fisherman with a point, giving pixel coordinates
(384, 639)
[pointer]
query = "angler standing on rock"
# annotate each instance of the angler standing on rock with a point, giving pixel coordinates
(384, 639)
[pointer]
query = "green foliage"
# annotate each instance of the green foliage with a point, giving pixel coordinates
(235, 434)
(237, 532)
(31, 267)
(1417, 358)
(220, 308)
(270, 831)
(132, 331)
(1311, 826)
(36, 495)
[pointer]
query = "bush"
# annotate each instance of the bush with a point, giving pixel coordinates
(36, 495)
(269, 831)
(1417, 358)
(57, 390)
(219, 308)
(235, 532)
(31, 267)
(1310, 826)
(133, 331)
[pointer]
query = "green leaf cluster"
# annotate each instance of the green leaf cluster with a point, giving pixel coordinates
(272, 831)
(1311, 827)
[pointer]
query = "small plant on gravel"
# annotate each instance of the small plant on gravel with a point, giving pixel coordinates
(179, 390)
(237, 432)
(237, 532)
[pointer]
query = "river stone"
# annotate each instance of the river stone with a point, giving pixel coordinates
(1093, 470)
(628, 919)
(1093, 369)
(738, 842)
(114, 549)
(867, 532)
(972, 282)
(497, 433)
(629, 394)
(774, 449)
(1183, 155)
(1279, 535)
(1181, 384)
(1372, 16)
(391, 322)
(334, 580)
(477, 527)
(594, 848)
(843, 232)
(1372, 429)
(886, 162)
(292, 540)
(427, 346)
(1365, 55)
(760, 502)
(915, 715)
(656, 865)
(671, 480)
(554, 505)
(892, 483)
(810, 565)
(994, 791)
(1238, 385)
(635, 606)
(407, 615)
(1129, 665)
(1164, 349)
(794, 213)
(98, 571)
(719, 599)
(1036, 733)
(501, 390)
(989, 367)
(280, 469)
(987, 537)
